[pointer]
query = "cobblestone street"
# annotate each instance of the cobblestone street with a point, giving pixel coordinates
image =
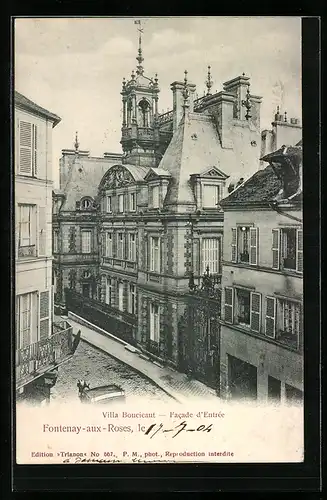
(98, 368)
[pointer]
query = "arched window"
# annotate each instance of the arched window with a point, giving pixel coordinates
(144, 114)
(129, 111)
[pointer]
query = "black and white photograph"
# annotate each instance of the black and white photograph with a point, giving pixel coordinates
(158, 239)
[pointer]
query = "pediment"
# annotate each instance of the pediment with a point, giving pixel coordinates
(117, 176)
(155, 174)
(213, 172)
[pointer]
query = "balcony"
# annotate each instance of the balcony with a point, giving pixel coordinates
(35, 359)
(26, 251)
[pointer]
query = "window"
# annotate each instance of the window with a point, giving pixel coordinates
(287, 249)
(109, 291)
(55, 241)
(120, 295)
(132, 202)
(244, 246)
(108, 247)
(120, 203)
(26, 319)
(120, 246)
(211, 255)
(284, 320)
(155, 196)
(26, 230)
(132, 248)
(27, 148)
(109, 208)
(210, 196)
(86, 204)
(243, 307)
(155, 254)
(86, 241)
(154, 322)
(132, 299)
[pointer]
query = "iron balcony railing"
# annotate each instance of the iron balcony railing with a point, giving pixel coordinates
(44, 355)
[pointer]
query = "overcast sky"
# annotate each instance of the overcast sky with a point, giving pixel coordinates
(74, 66)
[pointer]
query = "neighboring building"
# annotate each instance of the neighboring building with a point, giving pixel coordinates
(155, 218)
(261, 354)
(40, 344)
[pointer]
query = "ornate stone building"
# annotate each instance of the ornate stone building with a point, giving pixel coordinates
(134, 231)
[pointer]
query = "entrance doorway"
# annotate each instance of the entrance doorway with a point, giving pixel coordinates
(242, 379)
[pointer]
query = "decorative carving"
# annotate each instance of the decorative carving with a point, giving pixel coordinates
(118, 177)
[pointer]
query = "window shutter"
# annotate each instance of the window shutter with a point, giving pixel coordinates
(255, 309)
(234, 244)
(42, 231)
(253, 246)
(270, 317)
(17, 215)
(34, 150)
(229, 304)
(25, 148)
(275, 248)
(196, 256)
(299, 250)
(44, 311)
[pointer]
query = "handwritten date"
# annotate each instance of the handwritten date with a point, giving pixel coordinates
(182, 426)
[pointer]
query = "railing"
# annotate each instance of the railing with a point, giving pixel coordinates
(27, 251)
(165, 117)
(198, 103)
(41, 356)
(210, 286)
(119, 323)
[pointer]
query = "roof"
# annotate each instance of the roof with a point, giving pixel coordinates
(263, 186)
(193, 148)
(29, 105)
(137, 171)
(83, 179)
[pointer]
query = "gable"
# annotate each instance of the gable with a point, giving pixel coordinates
(156, 174)
(213, 172)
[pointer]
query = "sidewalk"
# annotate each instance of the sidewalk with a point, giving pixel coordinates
(176, 384)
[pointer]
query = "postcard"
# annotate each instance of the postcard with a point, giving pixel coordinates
(158, 240)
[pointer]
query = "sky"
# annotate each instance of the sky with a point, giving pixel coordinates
(74, 67)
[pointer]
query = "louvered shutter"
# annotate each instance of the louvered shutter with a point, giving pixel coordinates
(270, 317)
(45, 316)
(229, 304)
(196, 257)
(255, 310)
(25, 148)
(42, 231)
(275, 248)
(299, 250)
(34, 149)
(254, 246)
(234, 245)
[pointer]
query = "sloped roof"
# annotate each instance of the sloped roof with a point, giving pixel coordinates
(263, 186)
(137, 171)
(193, 148)
(83, 179)
(29, 105)
(159, 172)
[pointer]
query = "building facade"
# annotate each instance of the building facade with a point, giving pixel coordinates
(37, 337)
(261, 355)
(149, 221)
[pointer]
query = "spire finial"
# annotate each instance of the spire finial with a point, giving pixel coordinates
(186, 92)
(76, 144)
(285, 116)
(209, 81)
(140, 59)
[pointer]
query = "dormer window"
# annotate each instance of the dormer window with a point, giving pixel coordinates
(210, 195)
(155, 197)
(86, 204)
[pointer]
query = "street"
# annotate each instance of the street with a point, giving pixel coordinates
(97, 368)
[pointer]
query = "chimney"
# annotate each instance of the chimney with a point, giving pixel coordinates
(178, 101)
(238, 87)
